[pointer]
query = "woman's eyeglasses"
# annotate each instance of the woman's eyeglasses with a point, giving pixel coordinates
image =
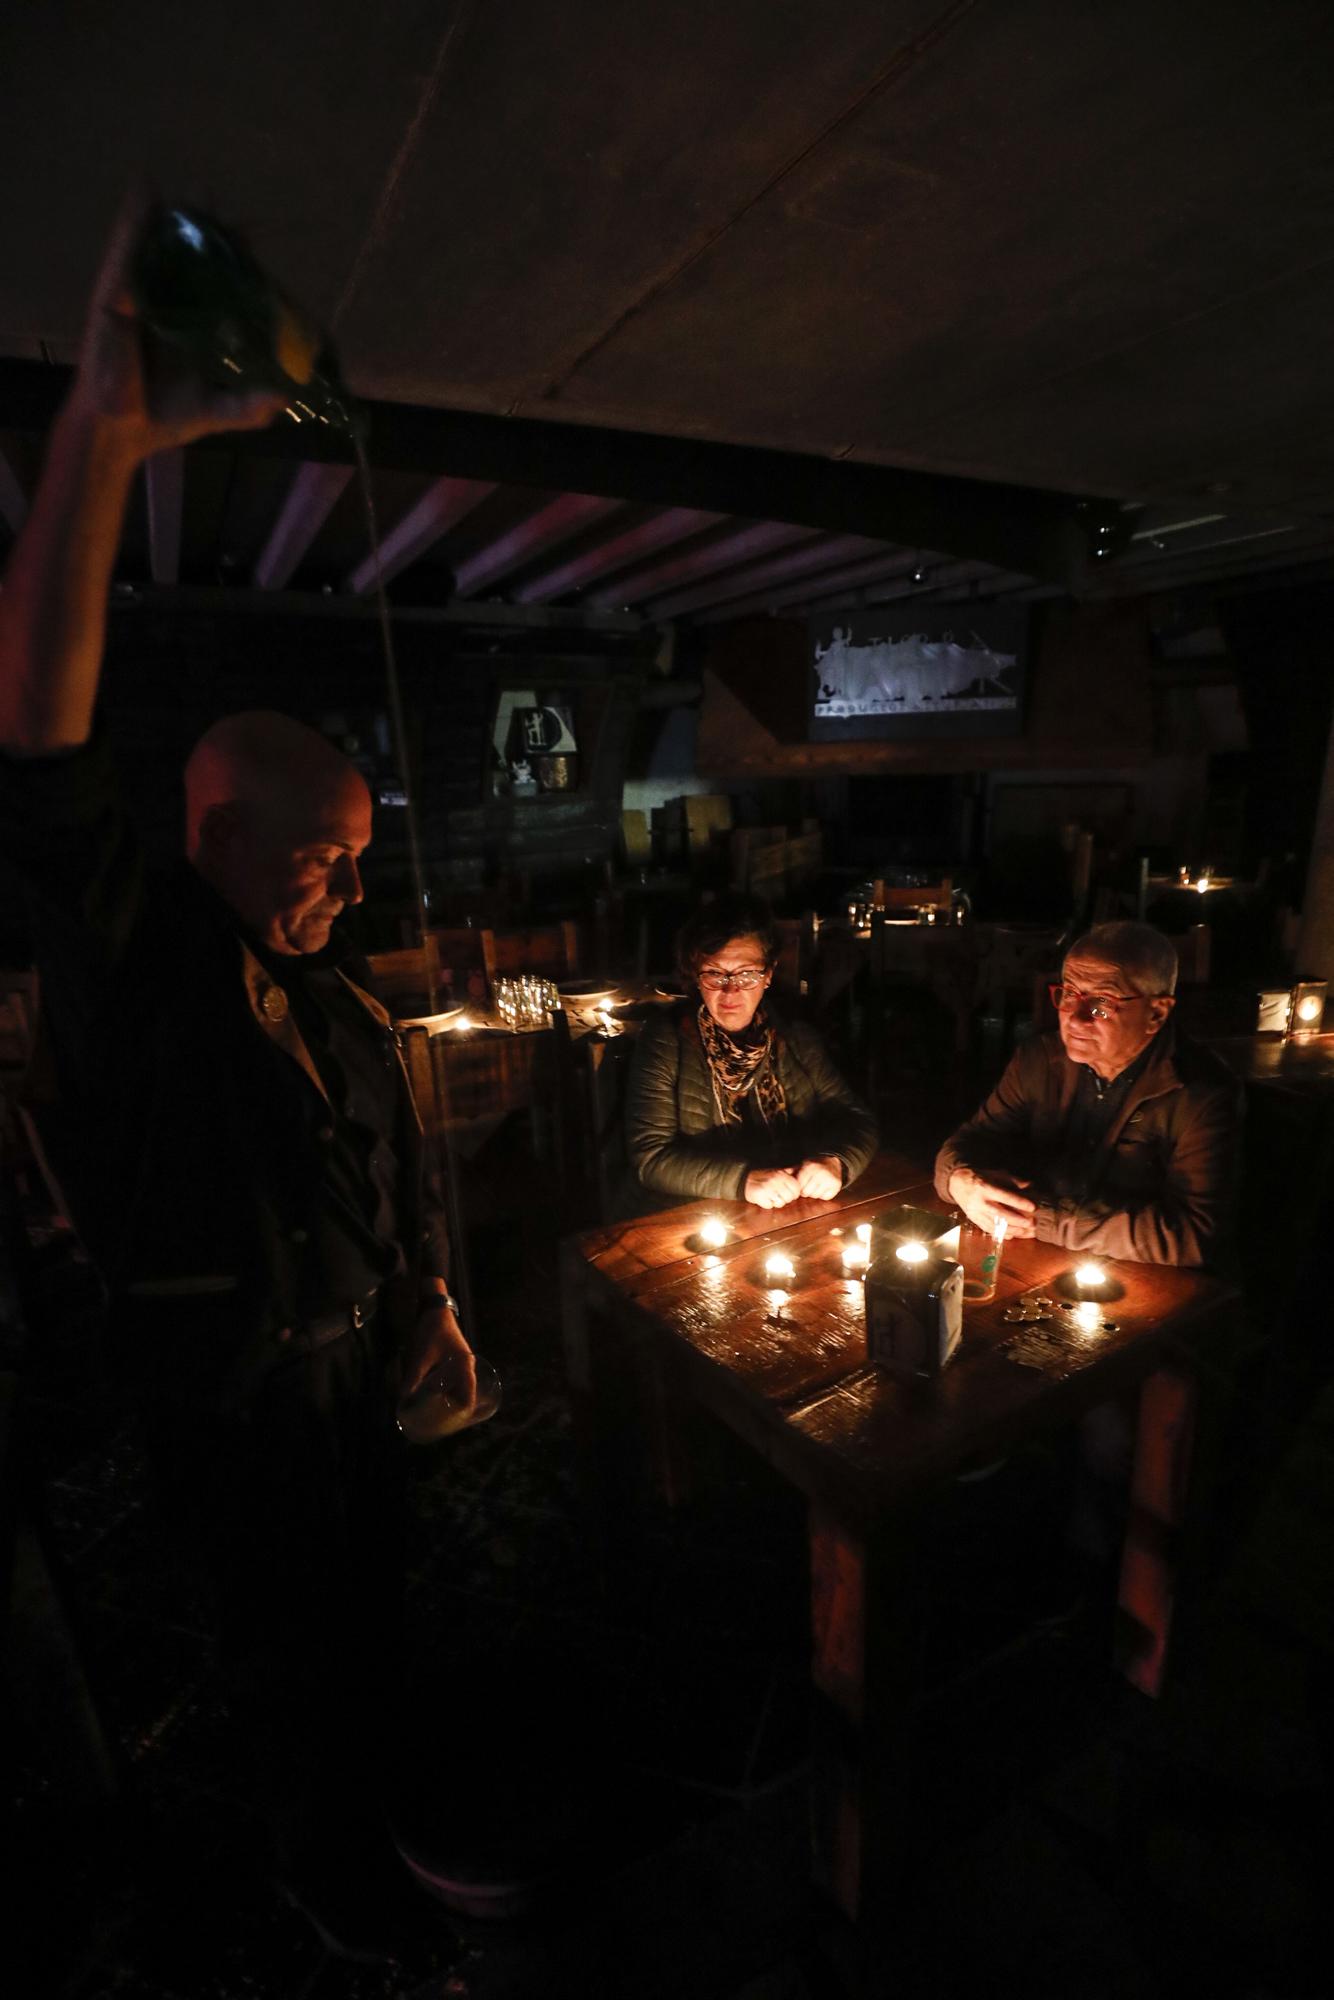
(745, 977)
(1098, 1006)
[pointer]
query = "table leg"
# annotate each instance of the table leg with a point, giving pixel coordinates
(1163, 1452)
(863, 1624)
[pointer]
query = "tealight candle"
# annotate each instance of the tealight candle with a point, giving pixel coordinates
(778, 1269)
(913, 1253)
(1090, 1277)
(864, 1233)
(1308, 1007)
(713, 1232)
(856, 1256)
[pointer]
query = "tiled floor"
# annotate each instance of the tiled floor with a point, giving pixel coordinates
(1066, 1844)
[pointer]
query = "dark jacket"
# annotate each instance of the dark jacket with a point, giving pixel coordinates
(191, 1122)
(1161, 1185)
(677, 1142)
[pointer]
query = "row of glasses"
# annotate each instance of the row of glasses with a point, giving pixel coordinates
(526, 1002)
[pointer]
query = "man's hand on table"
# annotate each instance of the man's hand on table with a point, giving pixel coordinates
(437, 1342)
(820, 1180)
(771, 1187)
(987, 1202)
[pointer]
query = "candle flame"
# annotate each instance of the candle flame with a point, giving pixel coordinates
(713, 1232)
(1308, 1007)
(913, 1253)
(779, 1268)
(1089, 1275)
(863, 1232)
(1000, 1228)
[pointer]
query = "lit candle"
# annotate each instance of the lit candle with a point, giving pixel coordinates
(864, 1233)
(913, 1253)
(1090, 1277)
(856, 1256)
(1203, 884)
(778, 1269)
(1308, 1007)
(605, 1022)
(1088, 1316)
(461, 1025)
(713, 1232)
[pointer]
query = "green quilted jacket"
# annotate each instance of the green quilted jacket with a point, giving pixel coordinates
(677, 1143)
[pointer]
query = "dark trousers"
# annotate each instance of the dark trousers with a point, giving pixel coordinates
(294, 1505)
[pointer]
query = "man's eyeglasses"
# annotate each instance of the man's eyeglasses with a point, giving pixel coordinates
(1098, 1006)
(745, 977)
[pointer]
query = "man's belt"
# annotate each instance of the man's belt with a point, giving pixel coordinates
(311, 1334)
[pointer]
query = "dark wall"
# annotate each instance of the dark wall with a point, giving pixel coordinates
(171, 672)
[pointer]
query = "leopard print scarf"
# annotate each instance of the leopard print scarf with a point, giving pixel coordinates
(742, 1066)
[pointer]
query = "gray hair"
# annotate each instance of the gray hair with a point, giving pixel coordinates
(1146, 958)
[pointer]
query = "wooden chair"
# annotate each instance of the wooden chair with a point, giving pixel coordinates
(549, 951)
(402, 980)
(927, 896)
(796, 954)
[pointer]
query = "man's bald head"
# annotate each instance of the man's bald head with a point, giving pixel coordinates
(275, 819)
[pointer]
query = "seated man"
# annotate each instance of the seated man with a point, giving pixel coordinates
(1117, 1136)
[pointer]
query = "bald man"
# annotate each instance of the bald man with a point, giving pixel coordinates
(234, 1133)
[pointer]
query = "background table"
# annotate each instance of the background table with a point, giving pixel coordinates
(787, 1372)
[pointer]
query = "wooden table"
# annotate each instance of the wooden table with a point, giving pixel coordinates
(788, 1374)
(1303, 1066)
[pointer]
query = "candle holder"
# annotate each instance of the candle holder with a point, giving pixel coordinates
(1088, 1280)
(914, 1306)
(780, 1273)
(1273, 1012)
(1308, 1009)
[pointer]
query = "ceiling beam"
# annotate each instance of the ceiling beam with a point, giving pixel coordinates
(746, 541)
(311, 498)
(660, 531)
(853, 579)
(487, 618)
(440, 508)
(826, 553)
(1020, 527)
(545, 528)
(13, 499)
(164, 485)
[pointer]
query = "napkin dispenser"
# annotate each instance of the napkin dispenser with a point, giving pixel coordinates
(914, 1302)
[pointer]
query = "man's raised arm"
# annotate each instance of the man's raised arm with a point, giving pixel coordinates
(53, 604)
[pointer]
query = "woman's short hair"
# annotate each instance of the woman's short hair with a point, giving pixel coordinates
(714, 926)
(1144, 955)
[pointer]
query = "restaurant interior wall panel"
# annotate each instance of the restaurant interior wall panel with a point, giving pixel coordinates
(1088, 703)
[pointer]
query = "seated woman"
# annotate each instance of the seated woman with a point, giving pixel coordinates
(727, 1101)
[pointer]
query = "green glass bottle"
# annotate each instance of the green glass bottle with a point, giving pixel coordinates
(209, 308)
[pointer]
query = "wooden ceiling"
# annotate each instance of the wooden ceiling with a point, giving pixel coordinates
(699, 308)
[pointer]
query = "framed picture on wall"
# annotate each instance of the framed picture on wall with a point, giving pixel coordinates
(907, 672)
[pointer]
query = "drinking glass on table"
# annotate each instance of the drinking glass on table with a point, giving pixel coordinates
(980, 1255)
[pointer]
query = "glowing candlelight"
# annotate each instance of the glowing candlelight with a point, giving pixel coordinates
(1088, 1316)
(461, 1025)
(856, 1256)
(1308, 1007)
(913, 1253)
(778, 1269)
(605, 1022)
(864, 1233)
(1203, 884)
(713, 1232)
(1090, 1277)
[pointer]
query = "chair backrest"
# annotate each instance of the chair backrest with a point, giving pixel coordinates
(402, 980)
(927, 896)
(1194, 950)
(462, 965)
(551, 950)
(796, 953)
